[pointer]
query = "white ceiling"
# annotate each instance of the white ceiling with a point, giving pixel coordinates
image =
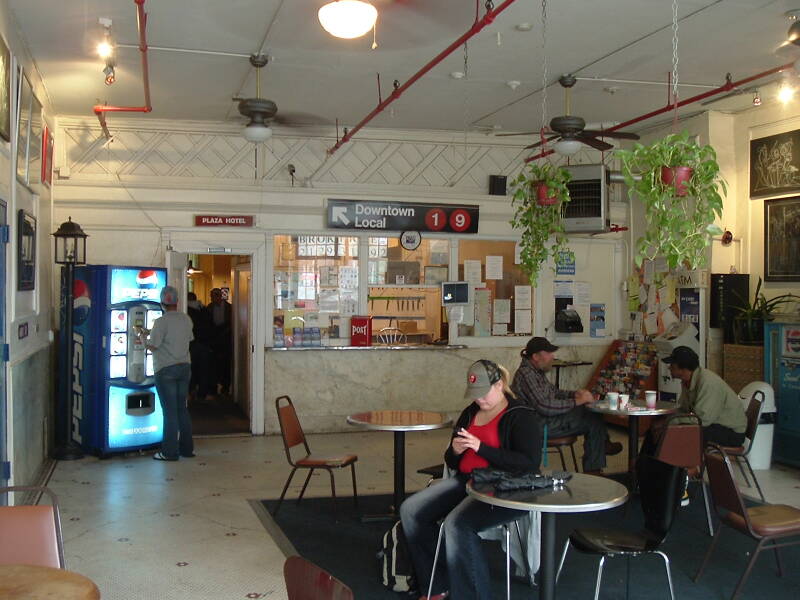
(314, 77)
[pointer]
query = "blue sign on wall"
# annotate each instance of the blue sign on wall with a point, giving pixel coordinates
(565, 263)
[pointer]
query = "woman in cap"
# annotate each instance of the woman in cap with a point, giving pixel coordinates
(495, 430)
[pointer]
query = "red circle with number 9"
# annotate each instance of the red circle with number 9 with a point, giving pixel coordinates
(435, 219)
(459, 220)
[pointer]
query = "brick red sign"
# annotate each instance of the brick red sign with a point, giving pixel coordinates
(223, 220)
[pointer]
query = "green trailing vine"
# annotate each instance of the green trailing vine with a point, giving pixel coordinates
(538, 218)
(679, 227)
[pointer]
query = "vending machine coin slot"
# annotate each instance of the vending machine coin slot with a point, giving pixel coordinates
(140, 403)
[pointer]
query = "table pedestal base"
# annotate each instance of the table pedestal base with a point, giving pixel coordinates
(399, 482)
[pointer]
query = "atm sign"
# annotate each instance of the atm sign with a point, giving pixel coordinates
(223, 220)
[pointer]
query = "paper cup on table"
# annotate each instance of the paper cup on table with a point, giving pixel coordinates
(613, 400)
(624, 399)
(650, 398)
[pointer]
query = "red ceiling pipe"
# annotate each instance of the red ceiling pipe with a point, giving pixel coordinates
(725, 87)
(99, 109)
(476, 27)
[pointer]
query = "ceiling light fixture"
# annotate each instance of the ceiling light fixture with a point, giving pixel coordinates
(257, 133)
(105, 49)
(567, 147)
(347, 19)
(786, 93)
(111, 76)
(756, 99)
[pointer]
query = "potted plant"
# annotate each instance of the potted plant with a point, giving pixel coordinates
(539, 193)
(681, 188)
(748, 323)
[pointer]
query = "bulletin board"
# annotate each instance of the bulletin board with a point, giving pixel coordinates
(591, 284)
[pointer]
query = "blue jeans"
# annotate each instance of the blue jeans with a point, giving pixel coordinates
(579, 421)
(172, 384)
(467, 573)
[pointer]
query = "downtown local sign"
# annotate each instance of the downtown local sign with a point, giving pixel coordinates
(401, 216)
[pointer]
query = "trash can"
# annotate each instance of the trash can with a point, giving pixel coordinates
(761, 453)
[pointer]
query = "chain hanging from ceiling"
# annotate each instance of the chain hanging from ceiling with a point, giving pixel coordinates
(675, 62)
(544, 74)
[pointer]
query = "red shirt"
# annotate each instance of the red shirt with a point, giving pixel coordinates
(488, 434)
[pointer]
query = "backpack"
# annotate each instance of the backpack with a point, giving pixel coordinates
(394, 561)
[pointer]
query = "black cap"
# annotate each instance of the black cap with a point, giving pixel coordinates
(684, 357)
(538, 344)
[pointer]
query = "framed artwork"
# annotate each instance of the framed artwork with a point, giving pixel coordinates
(35, 142)
(23, 127)
(5, 91)
(26, 251)
(47, 157)
(435, 275)
(775, 164)
(782, 239)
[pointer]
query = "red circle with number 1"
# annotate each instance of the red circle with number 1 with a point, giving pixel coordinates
(435, 219)
(459, 220)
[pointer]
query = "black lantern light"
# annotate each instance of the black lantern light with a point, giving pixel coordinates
(70, 247)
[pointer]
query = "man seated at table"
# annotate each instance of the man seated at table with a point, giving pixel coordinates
(563, 411)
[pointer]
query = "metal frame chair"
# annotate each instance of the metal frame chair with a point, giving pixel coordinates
(307, 581)
(767, 524)
(660, 492)
(292, 434)
(557, 443)
(31, 534)
(740, 453)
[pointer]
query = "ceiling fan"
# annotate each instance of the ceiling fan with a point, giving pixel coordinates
(570, 130)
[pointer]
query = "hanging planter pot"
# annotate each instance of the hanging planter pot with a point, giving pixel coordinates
(677, 177)
(543, 195)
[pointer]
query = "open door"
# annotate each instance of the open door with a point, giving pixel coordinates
(242, 337)
(177, 263)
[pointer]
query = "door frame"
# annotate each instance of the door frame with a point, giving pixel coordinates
(238, 272)
(255, 245)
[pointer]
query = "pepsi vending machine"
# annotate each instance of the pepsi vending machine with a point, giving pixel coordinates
(115, 406)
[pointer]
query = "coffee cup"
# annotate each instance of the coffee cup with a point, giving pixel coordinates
(613, 400)
(650, 397)
(624, 399)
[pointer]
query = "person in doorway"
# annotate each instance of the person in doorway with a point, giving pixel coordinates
(495, 430)
(169, 342)
(219, 313)
(200, 385)
(563, 411)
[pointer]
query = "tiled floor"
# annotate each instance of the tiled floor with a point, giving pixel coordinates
(143, 529)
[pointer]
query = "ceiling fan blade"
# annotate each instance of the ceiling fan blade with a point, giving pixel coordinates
(620, 135)
(520, 133)
(540, 142)
(594, 143)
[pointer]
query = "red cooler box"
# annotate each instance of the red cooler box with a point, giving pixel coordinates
(360, 331)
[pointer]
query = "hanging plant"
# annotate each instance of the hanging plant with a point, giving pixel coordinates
(539, 193)
(678, 182)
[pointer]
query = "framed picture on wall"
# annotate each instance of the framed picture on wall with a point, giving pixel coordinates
(47, 156)
(5, 91)
(35, 142)
(23, 127)
(775, 164)
(26, 251)
(782, 239)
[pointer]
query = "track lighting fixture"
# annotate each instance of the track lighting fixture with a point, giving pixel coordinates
(109, 73)
(756, 99)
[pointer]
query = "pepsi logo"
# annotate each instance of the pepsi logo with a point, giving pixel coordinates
(147, 279)
(82, 302)
(473, 378)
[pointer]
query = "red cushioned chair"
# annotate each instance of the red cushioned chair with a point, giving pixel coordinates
(306, 581)
(31, 535)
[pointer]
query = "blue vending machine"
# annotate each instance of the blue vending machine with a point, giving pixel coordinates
(782, 371)
(115, 406)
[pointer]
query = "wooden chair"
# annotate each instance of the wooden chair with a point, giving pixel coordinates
(306, 581)
(660, 492)
(31, 535)
(767, 524)
(391, 336)
(740, 453)
(293, 436)
(682, 445)
(557, 443)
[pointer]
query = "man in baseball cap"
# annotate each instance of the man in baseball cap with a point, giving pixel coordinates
(563, 411)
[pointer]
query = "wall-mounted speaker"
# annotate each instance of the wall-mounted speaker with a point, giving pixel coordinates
(497, 185)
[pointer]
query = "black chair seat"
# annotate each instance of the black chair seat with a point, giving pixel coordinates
(435, 471)
(612, 542)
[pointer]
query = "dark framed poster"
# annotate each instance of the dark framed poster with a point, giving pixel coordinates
(782, 239)
(775, 164)
(26, 251)
(5, 91)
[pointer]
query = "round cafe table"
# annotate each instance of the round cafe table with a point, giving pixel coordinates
(633, 411)
(582, 493)
(28, 582)
(399, 421)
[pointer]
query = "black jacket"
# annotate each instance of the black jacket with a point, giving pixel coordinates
(520, 431)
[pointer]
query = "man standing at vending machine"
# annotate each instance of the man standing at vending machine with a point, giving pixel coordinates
(169, 342)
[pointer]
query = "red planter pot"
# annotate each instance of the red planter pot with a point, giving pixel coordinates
(542, 198)
(677, 177)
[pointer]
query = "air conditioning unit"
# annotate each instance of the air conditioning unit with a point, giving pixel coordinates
(587, 210)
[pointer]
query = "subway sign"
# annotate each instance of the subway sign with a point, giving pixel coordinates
(401, 216)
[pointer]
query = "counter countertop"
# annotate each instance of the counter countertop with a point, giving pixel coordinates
(405, 347)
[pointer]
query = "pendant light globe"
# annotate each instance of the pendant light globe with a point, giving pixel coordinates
(347, 19)
(257, 133)
(566, 147)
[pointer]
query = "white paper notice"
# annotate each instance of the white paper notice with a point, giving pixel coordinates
(517, 253)
(522, 297)
(643, 297)
(652, 305)
(651, 324)
(522, 321)
(583, 292)
(494, 267)
(661, 265)
(637, 323)
(502, 311)
(500, 329)
(562, 289)
(649, 271)
(668, 318)
(472, 272)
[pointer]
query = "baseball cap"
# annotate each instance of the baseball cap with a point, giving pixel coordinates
(169, 296)
(684, 357)
(538, 344)
(482, 375)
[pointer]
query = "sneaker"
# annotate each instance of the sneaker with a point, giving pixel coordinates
(159, 456)
(685, 499)
(613, 448)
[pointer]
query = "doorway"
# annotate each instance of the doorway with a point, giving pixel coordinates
(220, 304)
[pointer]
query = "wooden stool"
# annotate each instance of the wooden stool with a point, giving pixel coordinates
(558, 443)
(39, 583)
